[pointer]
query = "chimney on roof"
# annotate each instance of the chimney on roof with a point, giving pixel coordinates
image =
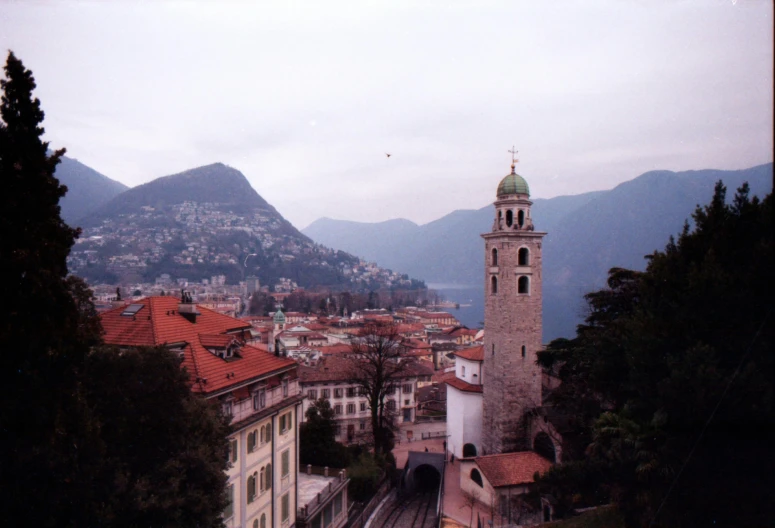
(187, 307)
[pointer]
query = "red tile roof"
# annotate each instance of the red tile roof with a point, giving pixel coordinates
(511, 469)
(464, 386)
(158, 322)
(337, 368)
(472, 354)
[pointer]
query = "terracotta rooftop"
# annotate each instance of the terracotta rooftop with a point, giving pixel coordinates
(511, 469)
(472, 354)
(157, 321)
(337, 368)
(464, 386)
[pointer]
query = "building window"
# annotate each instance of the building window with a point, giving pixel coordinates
(523, 285)
(229, 510)
(252, 487)
(493, 349)
(226, 408)
(408, 388)
(406, 402)
(391, 405)
(338, 393)
(259, 399)
(262, 480)
(524, 351)
(255, 523)
(477, 477)
(351, 392)
(390, 390)
(338, 505)
(469, 450)
(326, 393)
(285, 463)
(509, 218)
(521, 218)
(285, 388)
(252, 436)
(268, 432)
(263, 521)
(350, 408)
(363, 406)
(524, 257)
(285, 422)
(268, 477)
(338, 408)
(232, 456)
(462, 370)
(337, 430)
(285, 507)
(494, 285)
(494, 257)
(312, 394)
(362, 426)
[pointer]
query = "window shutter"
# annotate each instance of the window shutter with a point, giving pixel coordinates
(268, 476)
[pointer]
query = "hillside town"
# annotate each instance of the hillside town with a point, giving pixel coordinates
(196, 236)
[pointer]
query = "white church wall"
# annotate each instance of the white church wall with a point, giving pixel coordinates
(464, 419)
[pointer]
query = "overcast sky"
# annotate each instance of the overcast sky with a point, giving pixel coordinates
(305, 98)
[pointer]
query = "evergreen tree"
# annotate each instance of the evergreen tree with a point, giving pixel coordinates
(163, 460)
(317, 438)
(88, 436)
(47, 433)
(670, 378)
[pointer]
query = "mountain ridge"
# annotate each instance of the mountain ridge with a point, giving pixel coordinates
(587, 235)
(87, 189)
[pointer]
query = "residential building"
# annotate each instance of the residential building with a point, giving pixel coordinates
(332, 379)
(259, 390)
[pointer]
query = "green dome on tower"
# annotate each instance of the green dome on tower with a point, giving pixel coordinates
(279, 317)
(513, 184)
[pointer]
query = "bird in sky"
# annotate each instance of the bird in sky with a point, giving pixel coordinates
(388, 155)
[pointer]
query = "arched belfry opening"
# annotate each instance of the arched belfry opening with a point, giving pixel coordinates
(521, 218)
(523, 257)
(494, 260)
(509, 218)
(469, 450)
(523, 285)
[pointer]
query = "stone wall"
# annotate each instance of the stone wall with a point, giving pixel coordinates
(512, 382)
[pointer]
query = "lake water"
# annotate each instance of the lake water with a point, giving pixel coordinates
(471, 298)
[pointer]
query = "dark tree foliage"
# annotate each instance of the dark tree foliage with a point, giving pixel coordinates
(44, 337)
(318, 445)
(163, 447)
(660, 354)
(87, 437)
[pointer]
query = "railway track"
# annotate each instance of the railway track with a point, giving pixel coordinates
(413, 511)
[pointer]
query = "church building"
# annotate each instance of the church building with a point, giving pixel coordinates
(497, 387)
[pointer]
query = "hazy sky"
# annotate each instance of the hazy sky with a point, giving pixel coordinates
(305, 98)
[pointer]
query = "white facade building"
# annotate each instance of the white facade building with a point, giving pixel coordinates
(464, 403)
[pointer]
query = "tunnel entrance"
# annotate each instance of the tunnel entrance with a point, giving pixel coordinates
(426, 478)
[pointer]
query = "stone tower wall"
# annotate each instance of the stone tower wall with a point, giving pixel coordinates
(512, 383)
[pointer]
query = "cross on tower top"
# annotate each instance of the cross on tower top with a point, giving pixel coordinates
(514, 159)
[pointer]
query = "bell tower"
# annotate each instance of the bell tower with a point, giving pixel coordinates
(512, 318)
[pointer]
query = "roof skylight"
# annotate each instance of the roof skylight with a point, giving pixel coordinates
(132, 309)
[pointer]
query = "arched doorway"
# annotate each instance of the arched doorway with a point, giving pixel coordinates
(544, 446)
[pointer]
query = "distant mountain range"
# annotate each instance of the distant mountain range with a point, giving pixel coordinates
(88, 190)
(587, 235)
(209, 221)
